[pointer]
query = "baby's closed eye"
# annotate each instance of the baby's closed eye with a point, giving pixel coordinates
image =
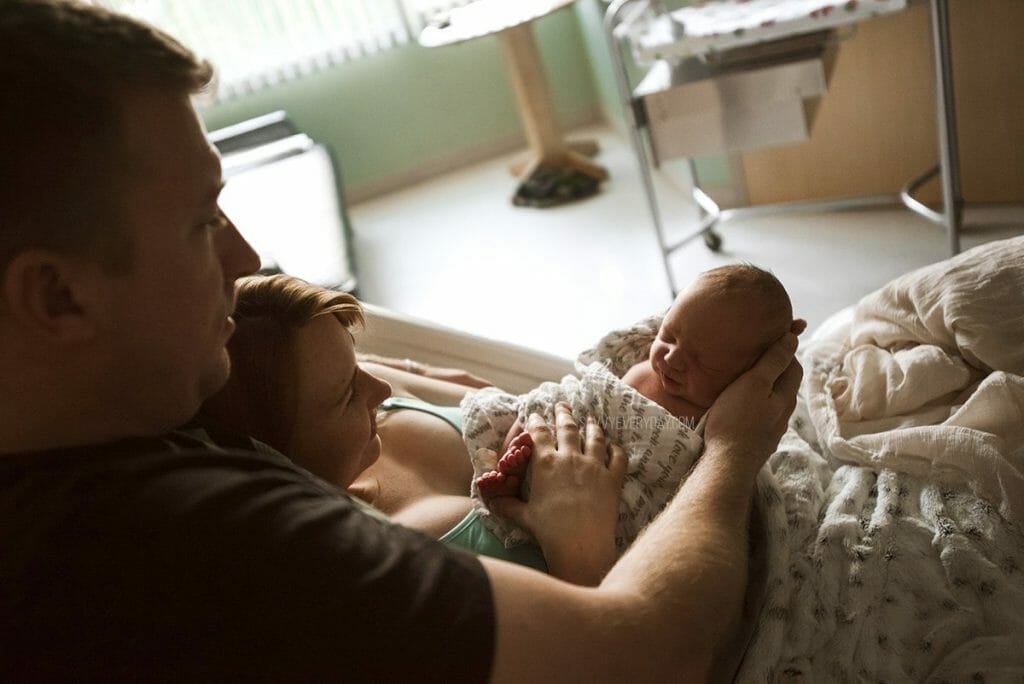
(709, 366)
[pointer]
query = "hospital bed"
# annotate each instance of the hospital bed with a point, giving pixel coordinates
(510, 366)
(892, 513)
(734, 75)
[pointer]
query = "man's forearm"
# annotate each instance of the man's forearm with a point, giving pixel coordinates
(665, 610)
(690, 565)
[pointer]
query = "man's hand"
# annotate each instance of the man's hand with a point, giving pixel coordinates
(574, 497)
(748, 418)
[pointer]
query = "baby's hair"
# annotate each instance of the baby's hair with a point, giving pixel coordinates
(747, 279)
(269, 311)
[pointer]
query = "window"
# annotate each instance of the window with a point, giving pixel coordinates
(257, 43)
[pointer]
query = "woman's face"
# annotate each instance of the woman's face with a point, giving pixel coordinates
(334, 433)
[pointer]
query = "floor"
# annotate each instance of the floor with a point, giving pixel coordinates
(455, 251)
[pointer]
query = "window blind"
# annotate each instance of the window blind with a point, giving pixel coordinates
(258, 43)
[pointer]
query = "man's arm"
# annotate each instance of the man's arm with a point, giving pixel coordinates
(674, 598)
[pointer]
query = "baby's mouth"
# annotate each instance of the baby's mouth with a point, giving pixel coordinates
(667, 381)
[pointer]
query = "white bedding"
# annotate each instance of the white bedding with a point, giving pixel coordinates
(510, 366)
(893, 519)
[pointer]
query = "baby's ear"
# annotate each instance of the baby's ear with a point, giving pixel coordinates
(799, 325)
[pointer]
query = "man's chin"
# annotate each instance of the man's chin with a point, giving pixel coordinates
(372, 453)
(215, 379)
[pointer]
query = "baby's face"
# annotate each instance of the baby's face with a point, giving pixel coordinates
(705, 343)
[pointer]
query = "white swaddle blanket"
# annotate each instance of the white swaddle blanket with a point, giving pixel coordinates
(660, 449)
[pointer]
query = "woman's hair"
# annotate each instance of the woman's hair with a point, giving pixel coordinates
(269, 311)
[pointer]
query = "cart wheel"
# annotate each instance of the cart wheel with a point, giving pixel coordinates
(713, 240)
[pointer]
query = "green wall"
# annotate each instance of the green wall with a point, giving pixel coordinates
(401, 109)
(591, 17)
(404, 109)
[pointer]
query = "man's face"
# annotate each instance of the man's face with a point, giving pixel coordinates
(166, 322)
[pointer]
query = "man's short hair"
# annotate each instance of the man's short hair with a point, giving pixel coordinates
(65, 69)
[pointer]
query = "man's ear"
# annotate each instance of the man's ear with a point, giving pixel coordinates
(50, 293)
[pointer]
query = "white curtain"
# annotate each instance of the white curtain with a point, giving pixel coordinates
(256, 43)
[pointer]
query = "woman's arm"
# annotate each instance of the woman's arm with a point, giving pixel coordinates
(403, 383)
(456, 376)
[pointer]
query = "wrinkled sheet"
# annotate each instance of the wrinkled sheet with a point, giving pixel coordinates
(893, 515)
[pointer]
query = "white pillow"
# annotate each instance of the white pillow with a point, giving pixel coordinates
(972, 304)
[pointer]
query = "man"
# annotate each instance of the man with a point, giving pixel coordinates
(131, 549)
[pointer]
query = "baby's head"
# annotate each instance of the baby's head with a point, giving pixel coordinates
(716, 329)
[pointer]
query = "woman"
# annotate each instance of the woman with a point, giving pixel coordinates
(296, 386)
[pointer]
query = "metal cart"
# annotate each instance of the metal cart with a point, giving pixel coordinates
(797, 57)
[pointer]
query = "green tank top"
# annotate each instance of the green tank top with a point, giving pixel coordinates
(470, 533)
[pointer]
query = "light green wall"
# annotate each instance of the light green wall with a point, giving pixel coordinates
(591, 17)
(394, 111)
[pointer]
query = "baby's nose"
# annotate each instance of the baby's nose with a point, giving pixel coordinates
(675, 359)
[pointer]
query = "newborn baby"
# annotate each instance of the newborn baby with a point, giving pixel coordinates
(714, 331)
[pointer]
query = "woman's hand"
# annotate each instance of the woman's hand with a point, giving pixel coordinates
(574, 497)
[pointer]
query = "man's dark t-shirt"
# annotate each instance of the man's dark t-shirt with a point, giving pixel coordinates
(168, 559)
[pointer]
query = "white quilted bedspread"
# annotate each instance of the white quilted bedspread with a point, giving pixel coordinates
(895, 550)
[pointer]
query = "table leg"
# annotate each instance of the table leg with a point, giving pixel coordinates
(526, 71)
